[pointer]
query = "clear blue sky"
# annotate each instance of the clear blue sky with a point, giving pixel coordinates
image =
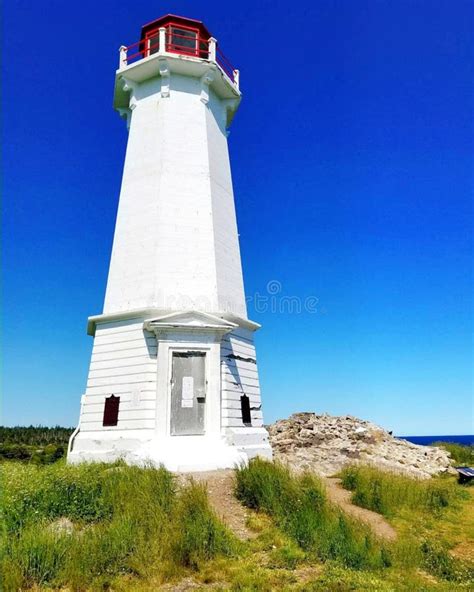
(352, 164)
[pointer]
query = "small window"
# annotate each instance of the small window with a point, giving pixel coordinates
(245, 406)
(182, 40)
(111, 411)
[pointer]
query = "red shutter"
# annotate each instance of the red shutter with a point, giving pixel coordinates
(111, 411)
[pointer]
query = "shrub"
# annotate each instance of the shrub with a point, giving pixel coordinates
(35, 435)
(299, 506)
(388, 493)
(460, 454)
(37, 455)
(38, 445)
(16, 452)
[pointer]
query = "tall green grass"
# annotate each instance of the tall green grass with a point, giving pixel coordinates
(300, 508)
(389, 493)
(395, 495)
(124, 519)
(460, 453)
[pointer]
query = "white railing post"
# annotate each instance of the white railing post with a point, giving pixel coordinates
(212, 49)
(237, 78)
(122, 57)
(162, 40)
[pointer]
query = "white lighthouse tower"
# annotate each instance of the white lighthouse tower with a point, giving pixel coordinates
(173, 377)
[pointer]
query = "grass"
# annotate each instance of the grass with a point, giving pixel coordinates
(128, 528)
(123, 520)
(387, 493)
(421, 509)
(299, 507)
(461, 455)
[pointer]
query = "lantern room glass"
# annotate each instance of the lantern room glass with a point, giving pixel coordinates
(180, 39)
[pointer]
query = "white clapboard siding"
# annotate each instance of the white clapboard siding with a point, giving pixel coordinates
(254, 401)
(239, 364)
(125, 415)
(238, 335)
(238, 388)
(240, 349)
(146, 392)
(113, 341)
(133, 424)
(241, 334)
(237, 414)
(232, 422)
(119, 380)
(123, 336)
(119, 389)
(97, 406)
(133, 344)
(239, 376)
(120, 370)
(237, 379)
(238, 344)
(235, 403)
(123, 363)
(235, 375)
(124, 354)
(242, 365)
(120, 327)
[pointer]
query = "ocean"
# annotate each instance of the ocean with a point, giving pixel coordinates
(427, 440)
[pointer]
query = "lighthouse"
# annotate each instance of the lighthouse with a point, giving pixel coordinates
(173, 376)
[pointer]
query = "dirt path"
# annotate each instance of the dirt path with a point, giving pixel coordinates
(340, 496)
(220, 487)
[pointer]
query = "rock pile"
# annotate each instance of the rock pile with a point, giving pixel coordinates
(325, 444)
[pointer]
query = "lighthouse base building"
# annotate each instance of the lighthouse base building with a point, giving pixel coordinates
(177, 389)
(173, 377)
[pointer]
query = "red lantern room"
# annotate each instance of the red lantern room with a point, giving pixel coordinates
(183, 36)
(186, 37)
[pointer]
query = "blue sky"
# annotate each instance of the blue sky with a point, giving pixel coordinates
(352, 165)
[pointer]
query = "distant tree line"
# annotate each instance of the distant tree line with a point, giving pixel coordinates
(35, 435)
(37, 444)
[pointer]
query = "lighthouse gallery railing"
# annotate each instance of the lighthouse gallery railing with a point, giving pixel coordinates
(173, 42)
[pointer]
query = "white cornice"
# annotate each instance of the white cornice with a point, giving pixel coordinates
(150, 313)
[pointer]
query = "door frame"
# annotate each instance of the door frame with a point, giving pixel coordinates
(188, 330)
